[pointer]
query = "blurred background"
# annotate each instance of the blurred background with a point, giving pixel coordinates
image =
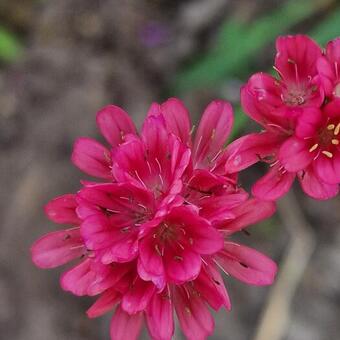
(61, 61)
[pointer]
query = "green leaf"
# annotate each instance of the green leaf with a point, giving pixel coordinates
(238, 42)
(10, 47)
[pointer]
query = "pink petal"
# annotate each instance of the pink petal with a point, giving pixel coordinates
(314, 187)
(297, 52)
(274, 184)
(294, 154)
(114, 123)
(250, 212)
(193, 315)
(250, 149)
(211, 287)
(212, 133)
(177, 119)
(158, 281)
(328, 170)
(308, 123)
(333, 50)
(182, 266)
(155, 136)
(327, 75)
(78, 279)
(111, 243)
(205, 239)
(92, 158)
(138, 296)
(62, 210)
(219, 208)
(247, 264)
(151, 260)
(125, 326)
(57, 248)
(331, 109)
(159, 317)
(260, 97)
(104, 303)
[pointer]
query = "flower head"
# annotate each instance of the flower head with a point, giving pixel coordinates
(151, 238)
(300, 128)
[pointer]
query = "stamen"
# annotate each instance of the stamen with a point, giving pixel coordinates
(330, 127)
(337, 129)
(157, 250)
(327, 154)
(213, 134)
(140, 180)
(278, 72)
(314, 147)
(335, 142)
(159, 165)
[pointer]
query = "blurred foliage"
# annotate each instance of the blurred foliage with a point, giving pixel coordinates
(10, 47)
(238, 42)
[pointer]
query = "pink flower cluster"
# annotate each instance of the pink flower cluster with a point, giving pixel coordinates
(300, 115)
(151, 237)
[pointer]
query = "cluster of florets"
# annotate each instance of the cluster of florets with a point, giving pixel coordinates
(300, 114)
(153, 235)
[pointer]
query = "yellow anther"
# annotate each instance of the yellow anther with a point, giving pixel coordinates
(335, 142)
(330, 127)
(314, 147)
(327, 154)
(337, 129)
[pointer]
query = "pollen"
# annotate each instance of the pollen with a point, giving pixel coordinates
(330, 127)
(335, 141)
(314, 147)
(327, 154)
(337, 129)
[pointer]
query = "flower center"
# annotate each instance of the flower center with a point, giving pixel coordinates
(328, 139)
(295, 96)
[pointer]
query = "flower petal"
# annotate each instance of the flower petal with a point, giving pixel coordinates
(62, 210)
(250, 212)
(193, 315)
(104, 303)
(176, 117)
(92, 158)
(211, 287)
(328, 169)
(114, 123)
(250, 149)
(260, 97)
(125, 326)
(297, 53)
(182, 265)
(308, 122)
(247, 264)
(212, 133)
(88, 278)
(57, 248)
(159, 317)
(273, 185)
(110, 243)
(138, 296)
(294, 154)
(316, 188)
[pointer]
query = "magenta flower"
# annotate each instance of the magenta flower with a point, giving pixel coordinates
(150, 241)
(297, 140)
(329, 69)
